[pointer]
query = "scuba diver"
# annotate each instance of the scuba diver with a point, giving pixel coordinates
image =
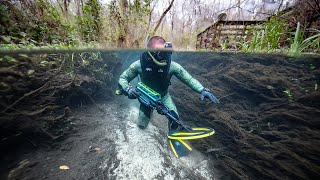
(155, 69)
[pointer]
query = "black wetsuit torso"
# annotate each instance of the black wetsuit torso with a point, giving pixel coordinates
(156, 77)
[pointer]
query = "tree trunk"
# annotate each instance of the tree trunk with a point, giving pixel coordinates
(66, 4)
(150, 16)
(162, 16)
(122, 40)
(78, 3)
(64, 8)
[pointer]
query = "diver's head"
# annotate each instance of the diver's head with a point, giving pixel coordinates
(162, 50)
(156, 42)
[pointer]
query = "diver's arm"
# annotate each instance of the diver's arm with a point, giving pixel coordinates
(186, 78)
(129, 74)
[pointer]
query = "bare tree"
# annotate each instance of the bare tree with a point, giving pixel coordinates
(79, 4)
(162, 16)
(64, 7)
(150, 16)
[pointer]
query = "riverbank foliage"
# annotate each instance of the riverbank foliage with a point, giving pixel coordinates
(41, 23)
(276, 36)
(292, 31)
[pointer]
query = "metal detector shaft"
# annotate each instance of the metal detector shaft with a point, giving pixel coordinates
(152, 99)
(168, 115)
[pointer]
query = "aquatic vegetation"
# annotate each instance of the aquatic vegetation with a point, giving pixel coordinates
(8, 59)
(39, 88)
(255, 121)
(289, 94)
(312, 66)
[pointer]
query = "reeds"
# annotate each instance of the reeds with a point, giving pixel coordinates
(300, 44)
(276, 37)
(266, 39)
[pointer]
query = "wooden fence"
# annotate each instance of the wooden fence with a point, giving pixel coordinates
(226, 34)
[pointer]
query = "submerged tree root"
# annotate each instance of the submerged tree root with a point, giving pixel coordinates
(265, 133)
(39, 90)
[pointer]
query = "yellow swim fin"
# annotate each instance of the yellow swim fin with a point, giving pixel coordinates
(195, 133)
(179, 147)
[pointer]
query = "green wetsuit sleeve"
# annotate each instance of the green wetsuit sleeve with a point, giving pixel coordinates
(185, 77)
(129, 74)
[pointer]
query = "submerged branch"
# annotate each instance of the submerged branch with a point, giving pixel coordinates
(34, 91)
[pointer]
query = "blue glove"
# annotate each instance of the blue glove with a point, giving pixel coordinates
(132, 92)
(205, 93)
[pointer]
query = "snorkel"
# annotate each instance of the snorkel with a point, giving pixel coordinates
(161, 59)
(162, 63)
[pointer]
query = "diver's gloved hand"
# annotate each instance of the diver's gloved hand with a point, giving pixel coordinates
(132, 92)
(205, 93)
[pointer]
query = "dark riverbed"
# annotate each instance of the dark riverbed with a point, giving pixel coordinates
(267, 123)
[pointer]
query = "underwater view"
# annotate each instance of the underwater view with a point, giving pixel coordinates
(61, 117)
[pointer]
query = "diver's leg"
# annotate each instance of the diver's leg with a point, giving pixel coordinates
(144, 116)
(167, 101)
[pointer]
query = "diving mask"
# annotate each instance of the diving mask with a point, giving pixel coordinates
(161, 58)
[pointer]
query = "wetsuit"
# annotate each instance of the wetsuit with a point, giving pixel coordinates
(158, 79)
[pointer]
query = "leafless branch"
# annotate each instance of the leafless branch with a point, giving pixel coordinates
(162, 16)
